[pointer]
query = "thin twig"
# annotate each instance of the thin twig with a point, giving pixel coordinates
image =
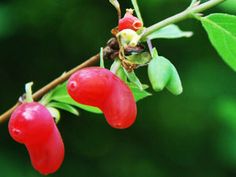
(174, 19)
(188, 13)
(37, 95)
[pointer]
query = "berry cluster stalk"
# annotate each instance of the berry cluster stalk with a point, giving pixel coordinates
(188, 13)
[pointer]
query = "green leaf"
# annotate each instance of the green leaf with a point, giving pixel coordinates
(55, 113)
(136, 8)
(140, 59)
(169, 32)
(65, 107)
(121, 74)
(229, 5)
(162, 73)
(139, 94)
(221, 29)
(115, 66)
(60, 95)
(133, 79)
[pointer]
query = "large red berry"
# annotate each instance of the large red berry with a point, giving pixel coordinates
(99, 87)
(129, 22)
(32, 124)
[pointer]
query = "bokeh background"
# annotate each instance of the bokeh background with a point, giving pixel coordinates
(174, 136)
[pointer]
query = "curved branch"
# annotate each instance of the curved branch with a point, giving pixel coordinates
(188, 13)
(37, 95)
(174, 19)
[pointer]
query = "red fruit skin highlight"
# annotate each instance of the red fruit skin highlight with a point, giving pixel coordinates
(129, 22)
(99, 87)
(32, 124)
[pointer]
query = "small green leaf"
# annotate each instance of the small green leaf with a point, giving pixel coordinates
(115, 66)
(139, 94)
(133, 78)
(65, 107)
(60, 95)
(121, 74)
(221, 29)
(140, 59)
(136, 8)
(55, 113)
(162, 73)
(101, 58)
(28, 92)
(169, 32)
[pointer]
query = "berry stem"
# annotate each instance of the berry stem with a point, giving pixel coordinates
(188, 13)
(28, 91)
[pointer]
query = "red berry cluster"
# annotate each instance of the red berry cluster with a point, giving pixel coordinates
(129, 22)
(32, 125)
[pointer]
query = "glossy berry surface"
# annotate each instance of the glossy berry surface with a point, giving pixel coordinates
(32, 124)
(129, 22)
(99, 87)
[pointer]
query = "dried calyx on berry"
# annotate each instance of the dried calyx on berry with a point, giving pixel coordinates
(129, 21)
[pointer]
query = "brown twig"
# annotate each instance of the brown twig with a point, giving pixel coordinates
(110, 51)
(37, 95)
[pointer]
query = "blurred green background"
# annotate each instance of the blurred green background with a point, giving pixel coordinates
(174, 136)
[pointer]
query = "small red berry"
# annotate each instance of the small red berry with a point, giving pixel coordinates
(32, 124)
(129, 22)
(99, 87)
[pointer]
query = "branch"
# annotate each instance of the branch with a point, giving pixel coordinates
(37, 95)
(188, 13)
(174, 19)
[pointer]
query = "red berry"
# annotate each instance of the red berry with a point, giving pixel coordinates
(99, 87)
(32, 124)
(129, 22)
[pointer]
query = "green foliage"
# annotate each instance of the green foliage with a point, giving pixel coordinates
(60, 95)
(65, 107)
(169, 32)
(221, 29)
(140, 59)
(139, 94)
(133, 78)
